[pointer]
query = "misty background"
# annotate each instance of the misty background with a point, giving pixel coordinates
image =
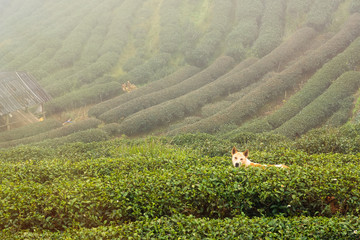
(283, 66)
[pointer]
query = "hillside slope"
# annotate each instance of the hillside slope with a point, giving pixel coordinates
(198, 65)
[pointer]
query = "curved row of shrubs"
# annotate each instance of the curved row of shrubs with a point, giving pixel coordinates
(58, 193)
(29, 130)
(220, 21)
(171, 33)
(316, 85)
(116, 39)
(354, 6)
(150, 70)
(177, 108)
(82, 136)
(221, 66)
(271, 89)
(173, 79)
(248, 12)
(55, 133)
(321, 12)
(272, 27)
(83, 97)
(322, 107)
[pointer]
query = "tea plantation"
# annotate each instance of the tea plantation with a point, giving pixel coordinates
(184, 187)
(278, 77)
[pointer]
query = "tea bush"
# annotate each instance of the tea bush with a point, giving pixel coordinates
(205, 50)
(341, 116)
(345, 139)
(128, 183)
(354, 6)
(317, 84)
(85, 136)
(210, 74)
(206, 144)
(190, 227)
(189, 103)
(321, 12)
(55, 133)
(322, 107)
(84, 96)
(246, 31)
(173, 79)
(171, 34)
(29, 130)
(149, 71)
(142, 186)
(271, 89)
(272, 27)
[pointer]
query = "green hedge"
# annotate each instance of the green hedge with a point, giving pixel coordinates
(246, 30)
(151, 180)
(29, 130)
(83, 97)
(272, 27)
(272, 89)
(206, 48)
(171, 34)
(321, 12)
(55, 133)
(191, 227)
(341, 116)
(322, 107)
(354, 6)
(177, 108)
(327, 139)
(151, 70)
(68, 57)
(221, 66)
(294, 7)
(173, 79)
(317, 84)
(85, 136)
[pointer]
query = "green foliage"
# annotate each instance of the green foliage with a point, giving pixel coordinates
(205, 144)
(173, 79)
(55, 133)
(246, 31)
(149, 71)
(29, 130)
(317, 84)
(85, 136)
(341, 116)
(272, 27)
(221, 66)
(206, 48)
(322, 107)
(83, 97)
(267, 90)
(189, 227)
(122, 185)
(327, 139)
(273, 88)
(320, 13)
(354, 6)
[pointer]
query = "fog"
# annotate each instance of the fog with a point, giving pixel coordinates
(187, 66)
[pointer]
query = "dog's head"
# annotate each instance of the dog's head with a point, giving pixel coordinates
(239, 158)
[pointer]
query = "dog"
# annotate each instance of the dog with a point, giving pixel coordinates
(241, 158)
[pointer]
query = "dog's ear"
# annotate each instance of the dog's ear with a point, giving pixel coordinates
(246, 153)
(233, 150)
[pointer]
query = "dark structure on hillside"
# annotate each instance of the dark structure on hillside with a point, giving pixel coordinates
(18, 92)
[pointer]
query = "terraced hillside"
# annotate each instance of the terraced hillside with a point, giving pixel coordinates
(283, 66)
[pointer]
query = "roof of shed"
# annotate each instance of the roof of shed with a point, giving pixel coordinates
(19, 90)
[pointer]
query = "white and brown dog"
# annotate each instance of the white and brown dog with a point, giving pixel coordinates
(241, 158)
